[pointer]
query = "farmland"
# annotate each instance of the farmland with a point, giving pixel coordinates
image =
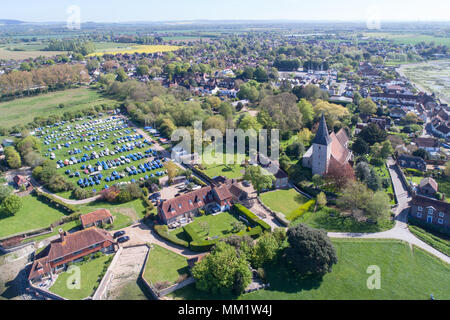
(24, 110)
(138, 49)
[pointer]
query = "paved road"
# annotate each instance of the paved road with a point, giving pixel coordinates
(400, 230)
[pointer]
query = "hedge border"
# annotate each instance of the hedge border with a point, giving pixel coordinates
(241, 210)
(163, 232)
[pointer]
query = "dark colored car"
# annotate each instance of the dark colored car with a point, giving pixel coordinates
(119, 234)
(123, 239)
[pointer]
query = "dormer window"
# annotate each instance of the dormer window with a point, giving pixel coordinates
(441, 214)
(419, 208)
(430, 210)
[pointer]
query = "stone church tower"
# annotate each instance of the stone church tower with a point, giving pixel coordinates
(321, 149)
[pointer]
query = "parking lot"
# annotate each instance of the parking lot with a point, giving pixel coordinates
(99, 153)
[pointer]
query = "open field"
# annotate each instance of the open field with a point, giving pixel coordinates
(408, 38)
(283, 201)
(90, 272)
(138, 49)
(33, 215)
(432, 77)
(21, 55)
(24, 110)
(398, 264)
(231, 171)
(134, 210)
(164, 265)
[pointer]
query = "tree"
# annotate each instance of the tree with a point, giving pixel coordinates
(373, 134)
(367, 107)
(374, 181)
(362, 171)
(422, 153)
(5, 192)
(354, 198)
(222, 271)
(12, 158)
(321, 200)
(283, 110)
(339, 174)
(265, 250)
(259, 180)
(121, 75)
(142, 70)
(295, 150)
(307, 111)
(305, 136)
(12, 204)
(310, 251)
(237, 226)
(360, 146)
(378, 207)
(447, 169)
(172, 170)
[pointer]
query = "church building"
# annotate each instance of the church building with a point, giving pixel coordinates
(327, 150)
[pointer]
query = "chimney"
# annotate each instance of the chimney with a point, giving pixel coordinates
(62, 235)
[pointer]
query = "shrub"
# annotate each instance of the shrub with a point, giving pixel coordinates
(301, 210)
(163, 231)
(202, 245)
(55, 202)
(377, 162)
(241, 210)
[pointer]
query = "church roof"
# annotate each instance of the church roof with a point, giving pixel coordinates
(322, 137)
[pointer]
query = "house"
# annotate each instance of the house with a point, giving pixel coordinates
(397, 113)
(412, 162)
(429, 144)
(22, 181)
(427, 187)
(430, 210)
(281, 179)
(69, 248)
(238, 193)
(327, 148)
(186, 206)
(96, 218)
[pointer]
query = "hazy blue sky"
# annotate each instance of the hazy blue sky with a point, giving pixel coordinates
(158, 10)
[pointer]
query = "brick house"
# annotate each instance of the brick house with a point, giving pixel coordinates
(69, 247)
(431, 211)
(22, 181)
(186, 206)
(96, 218)
(427, 187)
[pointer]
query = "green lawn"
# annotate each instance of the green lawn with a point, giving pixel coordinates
(34, 214)
(90, 272)
(164, 265)
(219, 225)
(405, 274)
(133, 208)
(24, 110)
(231, 171)
(438, 241)
(330, 220)
(283, 201)
(133, 290)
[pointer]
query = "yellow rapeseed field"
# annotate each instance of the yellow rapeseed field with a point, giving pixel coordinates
(139, 49)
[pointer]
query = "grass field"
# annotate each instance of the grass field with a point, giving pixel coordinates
(231, 171)
(283, 201)
(33, 215)
(409, 38)
(405, 274)
(331, 220)
(90, 272)
(138, 49)
(27, 54)
(24, 110)
(134, 210)
(164, 265)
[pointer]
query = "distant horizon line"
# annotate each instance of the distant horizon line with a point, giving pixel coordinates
(225, 20)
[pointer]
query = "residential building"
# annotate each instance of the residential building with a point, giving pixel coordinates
(184, 207)
(96, 218)
(69, 247)
(431, 211)
(412, 162)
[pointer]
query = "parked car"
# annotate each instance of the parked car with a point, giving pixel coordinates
(119, 234)
(123, 239)
(246, 183)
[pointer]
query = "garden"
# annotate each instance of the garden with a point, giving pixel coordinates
(286, 202)
(92, 270)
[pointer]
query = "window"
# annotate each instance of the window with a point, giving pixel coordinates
(441, 221)
(441, 214)
(419, 208)
(430, 210)
(419, 215)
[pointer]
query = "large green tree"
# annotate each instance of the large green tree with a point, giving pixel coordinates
(259, 180)
(222, 271)
(310, 251)
(12, 204)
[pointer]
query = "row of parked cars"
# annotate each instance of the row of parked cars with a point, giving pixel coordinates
(121, 237)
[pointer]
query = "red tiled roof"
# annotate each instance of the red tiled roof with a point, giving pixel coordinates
(342, 136)
(338, 151)
(92, 217)
(422, 201)
(40, 267)
(77, 241)
(223, 193)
